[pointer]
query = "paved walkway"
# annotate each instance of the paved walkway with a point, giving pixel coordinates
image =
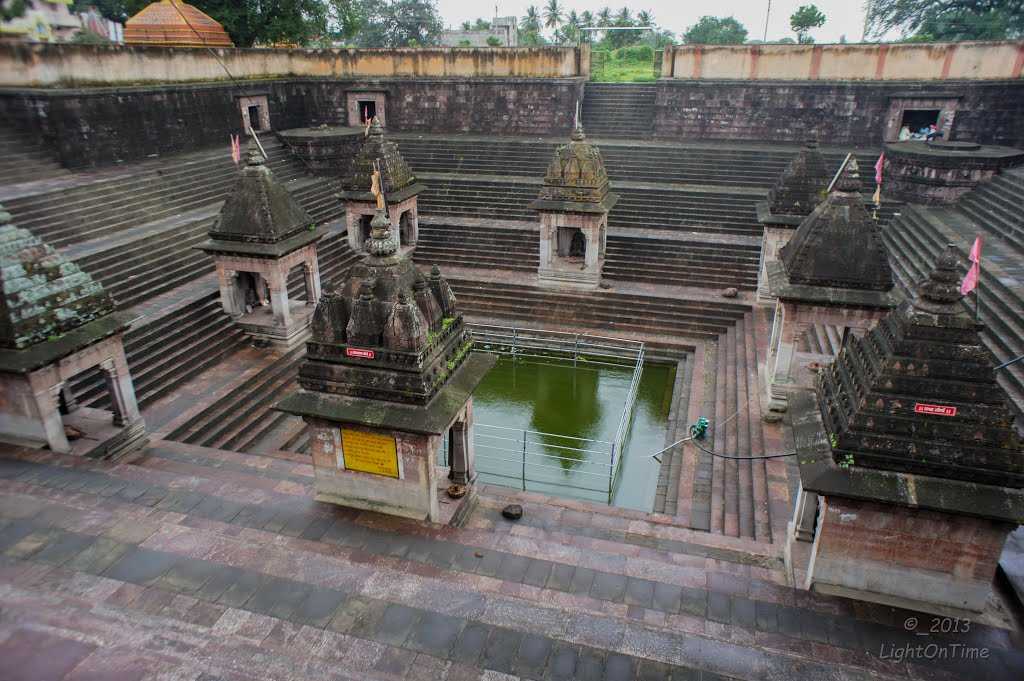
(202, 564)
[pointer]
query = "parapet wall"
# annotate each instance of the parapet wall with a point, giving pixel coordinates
(999, 60)
(64, 65)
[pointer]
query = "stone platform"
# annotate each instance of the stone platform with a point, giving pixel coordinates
(197, 563)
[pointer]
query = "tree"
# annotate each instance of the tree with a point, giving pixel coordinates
(803, 20)
(493, 41)
(587, 18)
(12, 10)
(552, 14)
(716, 31)
(604, 17)
(947, 19)
(401, 23)
(645, 18)
(530, 23)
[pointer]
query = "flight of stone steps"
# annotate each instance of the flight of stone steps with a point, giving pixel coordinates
(687, 263)
(465, 244)
(23, 160)
(997, 207)
(619, 110)
(203, 563)
(607, 312)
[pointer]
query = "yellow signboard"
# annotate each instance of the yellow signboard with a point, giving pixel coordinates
(369, 453)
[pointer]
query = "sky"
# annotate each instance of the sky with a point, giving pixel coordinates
(843, 17)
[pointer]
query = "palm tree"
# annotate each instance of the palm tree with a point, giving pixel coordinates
(645, 18)
(531, 22)
(624, 18)
(604, 17)
(573, 19)
(587, 18)
(552, 14)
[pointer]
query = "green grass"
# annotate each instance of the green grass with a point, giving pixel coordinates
(625, 65)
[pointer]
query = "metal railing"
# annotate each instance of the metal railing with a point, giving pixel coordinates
(528, 456)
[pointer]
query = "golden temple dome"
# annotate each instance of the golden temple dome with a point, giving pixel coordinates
(175, 24)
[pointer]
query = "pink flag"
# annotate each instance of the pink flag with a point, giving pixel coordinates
(878, 168)
(970, 281)
(236, 149)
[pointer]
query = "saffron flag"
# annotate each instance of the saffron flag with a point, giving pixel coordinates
(878, 169)
(970, 281)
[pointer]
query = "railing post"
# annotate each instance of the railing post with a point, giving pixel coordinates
(575, 351)
(611, 475)
(524, 460)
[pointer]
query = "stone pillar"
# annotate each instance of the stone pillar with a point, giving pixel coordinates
(805, 517)
(227, 280)
(47, 402)
(279, 299)
(780, 359)
(122, 392)
(311, 271)
(463, 468)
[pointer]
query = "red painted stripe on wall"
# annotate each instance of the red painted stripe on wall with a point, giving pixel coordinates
(883, 51)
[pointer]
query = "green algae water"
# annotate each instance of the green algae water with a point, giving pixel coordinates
(570, 416)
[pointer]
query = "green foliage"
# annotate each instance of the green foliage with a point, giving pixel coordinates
(530, 23)
(803, 20)
(625, 65)
(401, 23)
(924, 20)
(493, 41)
(478, 25)
(552, 14)
(716, 31)
(89, 38)
(465, 43)
(12, 10)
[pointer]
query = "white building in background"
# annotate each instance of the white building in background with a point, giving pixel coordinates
(51, 21)
(503, 29)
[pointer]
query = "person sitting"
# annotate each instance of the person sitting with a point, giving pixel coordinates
(933, 133)
(904, 133)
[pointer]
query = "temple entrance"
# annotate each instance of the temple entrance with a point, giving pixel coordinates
(364, 228)
(254, 118)
(405, 227)
(252, 291)
(572, 243)
(917, 119)
(367, 110)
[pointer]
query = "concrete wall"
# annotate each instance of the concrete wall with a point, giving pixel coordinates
(89, 127)
(50, 65)
(834, 112)
(913, 61)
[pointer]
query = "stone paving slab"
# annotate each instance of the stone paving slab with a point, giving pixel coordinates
(401, 597)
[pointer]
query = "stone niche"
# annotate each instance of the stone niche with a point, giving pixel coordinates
(573, 205)
(255, 112)
(939, 172)
(918, 110)
(366, 104)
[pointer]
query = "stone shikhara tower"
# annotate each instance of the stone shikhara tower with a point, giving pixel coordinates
(56, 322)
(834, 270)
(389, 372)
(910, 445)
(573, 204)
(397, 183)
(798, 192)
(261, 234)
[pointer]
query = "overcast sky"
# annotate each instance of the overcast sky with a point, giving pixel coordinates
(843, 17)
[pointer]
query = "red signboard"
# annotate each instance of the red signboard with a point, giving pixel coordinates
(359, 352)
(934, 409)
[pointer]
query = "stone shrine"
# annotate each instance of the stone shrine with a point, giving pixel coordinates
(835, 270)
(262, 234)
(56, 322)
(910, 445)
(397, 182)
(797, 192)
(389, 374)
(574, 202)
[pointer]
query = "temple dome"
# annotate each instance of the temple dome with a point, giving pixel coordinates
(576, 174)
(839, 245)
(397, 180)
(918, 393)
(173, 23)
(802, 184)
(43, 295)
(259, 209)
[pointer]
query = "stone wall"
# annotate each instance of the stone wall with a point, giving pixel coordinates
(854, 113)
(91, 127)
(68, 65)
(870, 61)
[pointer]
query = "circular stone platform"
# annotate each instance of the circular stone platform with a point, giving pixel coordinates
(941, 171)
(328, 149)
